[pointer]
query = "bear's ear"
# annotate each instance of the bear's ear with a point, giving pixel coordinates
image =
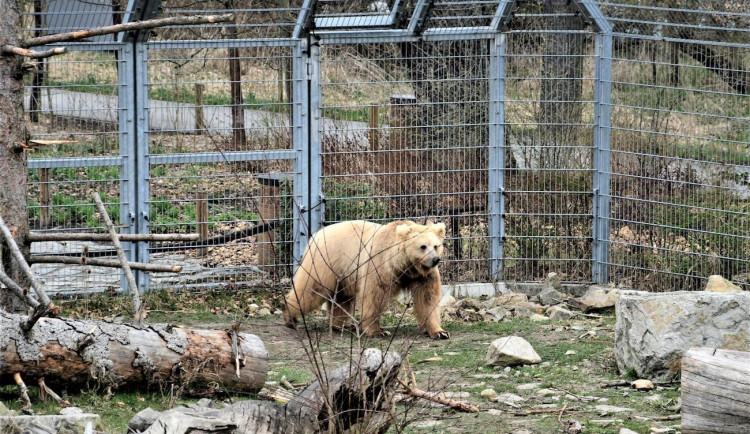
(439, 229)
(403, 230)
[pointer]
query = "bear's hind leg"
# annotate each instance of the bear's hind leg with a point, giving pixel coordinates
(306, 296)
(341, 311)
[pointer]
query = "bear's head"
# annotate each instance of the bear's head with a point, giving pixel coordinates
(422, 245)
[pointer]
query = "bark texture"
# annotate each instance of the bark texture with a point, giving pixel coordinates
(13, 188)
(356, 397)
(71, 352)
(715, 391)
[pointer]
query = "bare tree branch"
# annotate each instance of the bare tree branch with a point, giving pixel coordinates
(22, 265)
(12, 49)
(121, 256)
(83, 260)
(138, 25)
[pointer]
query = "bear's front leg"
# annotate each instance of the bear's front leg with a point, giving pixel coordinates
(375, 300)
(426, 306)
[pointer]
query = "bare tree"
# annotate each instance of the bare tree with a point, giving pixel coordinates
(12, 155)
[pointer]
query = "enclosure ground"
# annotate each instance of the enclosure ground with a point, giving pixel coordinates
(456, 366)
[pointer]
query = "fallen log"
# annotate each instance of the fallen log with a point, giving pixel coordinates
(71, 352)
(83, 260)
(715, 391)
(356, 397)
(39, 237)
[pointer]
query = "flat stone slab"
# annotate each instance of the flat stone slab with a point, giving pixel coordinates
(654, 330)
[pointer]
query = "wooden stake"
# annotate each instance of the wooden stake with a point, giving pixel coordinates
(44, 210)
(124, 264)
(201, 213)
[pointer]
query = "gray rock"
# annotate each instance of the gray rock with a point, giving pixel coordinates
(5, 411)
(497, 313)
(447, 300)
(550, 296)
(597, 297)
(557, 313)
(553, 280)
(654, 330)
(718, 283)
(264, 312)
(627, 431)
(510, 351)
(508, 399)
(603, 408)
(143, 419)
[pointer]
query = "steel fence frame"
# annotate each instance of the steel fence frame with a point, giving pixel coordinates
(307, 126)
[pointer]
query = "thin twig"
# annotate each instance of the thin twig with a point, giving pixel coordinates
(138, 25)
(559, 416)
(121, 256)
(45, 390)
(24, 392)
(435, 397)
(12, 49)
(22, 265)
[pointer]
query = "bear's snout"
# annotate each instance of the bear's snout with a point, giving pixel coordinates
(435, 261)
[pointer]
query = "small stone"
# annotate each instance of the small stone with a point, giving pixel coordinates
(70, 410)
(488, 393)
(426, 423)
(662, 430)
(718, 283)
(506, 369)
(553, 280)
(509, 399)
(572, 426)
(644, 385)
(253, 308)
(497, 313)
(277, 312)
(535, 317)
(549, 296)
(598, 297)
(447, 300)
(570, 353)
(627, 431)
(495, 412)
(547, 392)
(528, 386)
(511, 350)
(611, 409)
(557, 313)
(264, 312)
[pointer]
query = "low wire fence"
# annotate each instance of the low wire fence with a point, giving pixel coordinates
(604, 141)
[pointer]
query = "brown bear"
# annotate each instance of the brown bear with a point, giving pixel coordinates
(365, 264)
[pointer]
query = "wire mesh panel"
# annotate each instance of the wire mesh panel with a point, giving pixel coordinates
(681, 144)
(73, 109)
(404, 135)
(220, 145)
(549, 106)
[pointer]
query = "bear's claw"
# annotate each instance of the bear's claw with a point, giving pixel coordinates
(442, 334)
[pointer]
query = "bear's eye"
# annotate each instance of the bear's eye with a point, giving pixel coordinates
(423, 247)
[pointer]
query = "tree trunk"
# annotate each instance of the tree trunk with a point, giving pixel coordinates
(13, 189)
(71, 352)
(715, 391)
(356, 397)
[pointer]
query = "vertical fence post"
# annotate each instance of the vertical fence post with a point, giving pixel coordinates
(200, 124)
(201, 218)
(317, 197)
(127, 124)
(496, 157)
(142, 158)
(374, 132)
(301, 145)
(602, 165)
(44, 208)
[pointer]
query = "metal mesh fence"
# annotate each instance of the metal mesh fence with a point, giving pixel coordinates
(680, 154)
(482, 115)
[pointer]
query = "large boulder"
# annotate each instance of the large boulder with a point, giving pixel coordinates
(718, 283)
(654, 330)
